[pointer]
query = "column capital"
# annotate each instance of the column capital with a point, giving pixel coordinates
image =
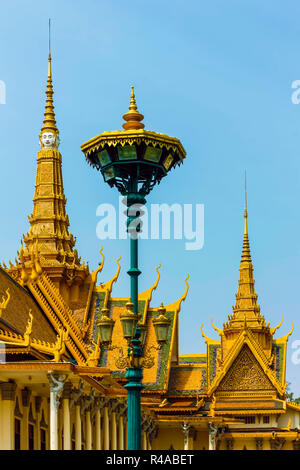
(67, 390)
(148, 424)
(87, 401)
(121, 410)
(56, 383)
(259, 443)
(296, 444)
(276, 443)
(76, 394)
(212, 435)
(153, 430)
(114, 404)
(229, 443)
(98, 402)
(188, 430)
(8, 390)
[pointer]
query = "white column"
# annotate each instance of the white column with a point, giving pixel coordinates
(98, 428)
(37, 429)
(66, 427)
(56, 383)
(121, 433)
(113, 431)
(24, 423)
(106, 428)
(88, 431)
(126, 435)
(8, 394)
(66, 415)
(144, 441)
(78, 439)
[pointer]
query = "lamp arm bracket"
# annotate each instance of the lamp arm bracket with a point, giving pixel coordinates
(121, 361)
(148, 360)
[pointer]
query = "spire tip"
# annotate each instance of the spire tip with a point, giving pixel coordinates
(133, 118)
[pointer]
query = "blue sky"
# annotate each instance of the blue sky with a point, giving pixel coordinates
(215, 74)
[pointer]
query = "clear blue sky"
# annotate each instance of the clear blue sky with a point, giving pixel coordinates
(215, 74)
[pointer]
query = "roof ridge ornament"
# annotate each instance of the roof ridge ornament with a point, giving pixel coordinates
(216, 328)
(272, 330)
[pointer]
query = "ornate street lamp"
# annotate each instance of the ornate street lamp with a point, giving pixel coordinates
(134, 160)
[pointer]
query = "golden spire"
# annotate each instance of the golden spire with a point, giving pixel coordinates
(49, 123)
(246, 308)
(49, 244)
(246, 256)
(133, 117)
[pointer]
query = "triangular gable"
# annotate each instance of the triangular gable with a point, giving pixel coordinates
(245, 338)
(245, 375)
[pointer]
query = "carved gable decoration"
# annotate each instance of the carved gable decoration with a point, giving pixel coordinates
(245, 374)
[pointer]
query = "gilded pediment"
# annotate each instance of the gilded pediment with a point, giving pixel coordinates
(245, 374)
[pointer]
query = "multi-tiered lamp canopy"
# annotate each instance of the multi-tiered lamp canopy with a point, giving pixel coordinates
(134, 150)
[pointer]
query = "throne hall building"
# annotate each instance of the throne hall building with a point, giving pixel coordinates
(59, 389)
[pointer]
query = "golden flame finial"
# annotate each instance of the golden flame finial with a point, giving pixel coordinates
(49, 123)
(133, 118)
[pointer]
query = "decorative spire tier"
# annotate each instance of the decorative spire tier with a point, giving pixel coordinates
(49, 123)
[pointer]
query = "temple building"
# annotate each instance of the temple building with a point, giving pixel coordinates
(60, 389)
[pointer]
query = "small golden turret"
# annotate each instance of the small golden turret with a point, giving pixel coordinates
(133, 118)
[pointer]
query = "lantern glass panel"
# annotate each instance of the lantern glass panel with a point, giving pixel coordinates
(143, 330)
(128, 325)
(103, 157)
(128, 152)
(108, 174)
(161, 327)
(153, 154)
(106, 330)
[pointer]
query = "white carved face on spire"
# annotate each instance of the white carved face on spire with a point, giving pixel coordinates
(48, 140)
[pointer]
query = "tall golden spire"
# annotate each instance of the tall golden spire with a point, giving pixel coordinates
(49, 235)
(246, 308)
(133, 117)
(49, 123)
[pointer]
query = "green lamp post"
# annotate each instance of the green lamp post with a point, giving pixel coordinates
(133, 160)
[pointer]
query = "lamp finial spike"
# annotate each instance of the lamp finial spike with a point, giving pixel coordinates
(133, 118)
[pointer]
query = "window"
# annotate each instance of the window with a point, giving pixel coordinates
(250, 420)
(30, 437)
(266, 419)
(43, 439)
(17, 434)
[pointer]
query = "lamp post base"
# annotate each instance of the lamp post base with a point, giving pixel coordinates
(134, 387)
